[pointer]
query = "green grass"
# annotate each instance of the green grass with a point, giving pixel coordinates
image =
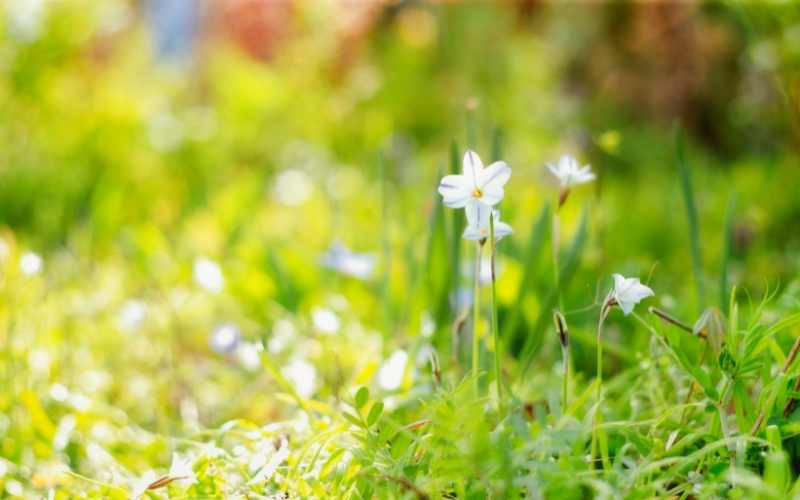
(105, 364)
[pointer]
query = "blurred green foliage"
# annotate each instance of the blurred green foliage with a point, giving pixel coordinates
(123, 172)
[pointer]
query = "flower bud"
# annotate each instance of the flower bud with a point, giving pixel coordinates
(561, 328)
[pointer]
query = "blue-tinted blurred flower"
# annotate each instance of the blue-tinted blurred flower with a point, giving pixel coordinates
(225, 338)
(629, 292)
(478, 228)
(173, 26)
(341, 259)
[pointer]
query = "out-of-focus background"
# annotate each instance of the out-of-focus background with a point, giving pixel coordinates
(188, 187)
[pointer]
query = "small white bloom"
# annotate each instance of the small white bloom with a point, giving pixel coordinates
(302, 374)
(570, 173)
(629, 292)
(208, 275)
(340, 258)
(390, 374)
(181, 473)
(325, 321)
(31, 263)
(132, 315)
(478, 228)
(477, 185)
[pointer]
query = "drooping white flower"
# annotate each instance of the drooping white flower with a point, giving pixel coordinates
(181, 473)
(478, 224)
(340, 258)
(477, 185)
(271, 467)
(629, 292)
(570, 173)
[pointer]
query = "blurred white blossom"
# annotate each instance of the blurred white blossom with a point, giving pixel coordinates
(293, 187)
(31, 263)
(325, 320)
(132, 315)
(208, 275)
(302, 374)
(391, 372)
(479, 229)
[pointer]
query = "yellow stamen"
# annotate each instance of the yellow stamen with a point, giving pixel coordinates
(477, 193)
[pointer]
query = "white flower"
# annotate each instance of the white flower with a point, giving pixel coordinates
(143, 485)
(325, 321)
(570, 173)
(476, 185)
(208, 275)
(341, 259)
(478, 229)
(181, 473)
(629, 292)
(132, 315)
(30, 263)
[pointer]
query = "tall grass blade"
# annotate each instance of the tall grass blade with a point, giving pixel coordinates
(691, 214)
(536, 244)
(568, 267)
(727, 234)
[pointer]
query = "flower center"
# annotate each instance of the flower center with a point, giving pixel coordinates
(477, 193)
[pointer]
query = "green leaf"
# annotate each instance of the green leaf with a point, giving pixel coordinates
(711, 393)
(702, 378)
(362, 396)
(333, 459)
(727, 233)
(353, 420)
(374, 413)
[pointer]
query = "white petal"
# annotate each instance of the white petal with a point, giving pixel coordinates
(618, 281)
(457, 190)
(492, 194)
(626, 307)
(473, 167)
(638, 291)
(496, 174)
(472, 234)
(502, 229)
(478, 215)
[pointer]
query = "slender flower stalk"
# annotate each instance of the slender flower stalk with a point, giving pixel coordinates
(495, 332)
(626, 294)
(563, 338)
(476, 314)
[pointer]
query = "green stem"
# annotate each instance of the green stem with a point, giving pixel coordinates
(495, 332)
(565, 355)
(598, 419)
(556, 236)
(476, 318)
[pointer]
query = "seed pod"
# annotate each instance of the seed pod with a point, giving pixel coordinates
(435, 368)
(561, 328)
